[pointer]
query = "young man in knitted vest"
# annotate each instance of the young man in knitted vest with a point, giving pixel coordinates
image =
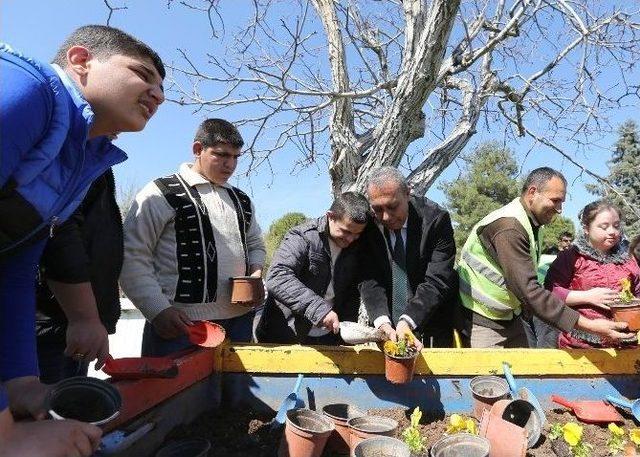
(185, 235)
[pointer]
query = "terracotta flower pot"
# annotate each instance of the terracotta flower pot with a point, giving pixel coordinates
(461, 444)
(486, 390)
(399, 370)
(247, 290)
(364, 427)
(627, 312)
(340, 413)
(380, 446)
(523, 414)
(305, 434)
(506, 438)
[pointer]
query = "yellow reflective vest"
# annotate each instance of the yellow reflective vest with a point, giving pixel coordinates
(482, 285)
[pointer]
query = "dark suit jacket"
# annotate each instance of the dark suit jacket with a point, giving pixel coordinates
(297, 282)
(431, 252)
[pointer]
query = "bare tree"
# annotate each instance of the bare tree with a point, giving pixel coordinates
(357, 83)
(112, 9)
(125, 196)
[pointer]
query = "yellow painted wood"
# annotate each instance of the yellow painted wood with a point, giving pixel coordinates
(368, 359)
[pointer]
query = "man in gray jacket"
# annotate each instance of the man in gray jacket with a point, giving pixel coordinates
(185, 235)
(313, 280)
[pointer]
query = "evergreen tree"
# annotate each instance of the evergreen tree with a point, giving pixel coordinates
(553, 230)
(489, 180)
(624, 174)
(277, 230)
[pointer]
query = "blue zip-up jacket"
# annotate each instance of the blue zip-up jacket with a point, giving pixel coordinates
(47, 163)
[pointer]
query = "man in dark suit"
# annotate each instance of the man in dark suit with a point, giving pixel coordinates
(410, 285)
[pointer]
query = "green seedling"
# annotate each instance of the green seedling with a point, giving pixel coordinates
(411, 434)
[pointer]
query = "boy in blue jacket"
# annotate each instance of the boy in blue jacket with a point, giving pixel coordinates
(56, 124)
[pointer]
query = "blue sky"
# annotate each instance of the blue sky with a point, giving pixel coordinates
(38, 27)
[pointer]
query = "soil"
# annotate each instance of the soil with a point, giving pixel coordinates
(246, 433)
(232, 433)
(85, 407)
(433, 429)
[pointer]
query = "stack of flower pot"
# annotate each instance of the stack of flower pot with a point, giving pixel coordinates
(340, 414)
(364, 427)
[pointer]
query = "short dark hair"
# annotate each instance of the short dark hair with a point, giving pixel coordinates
(104, 41)
(589, 212)
(566, 234)
(214, 131)
(352, 205)
(540, 177)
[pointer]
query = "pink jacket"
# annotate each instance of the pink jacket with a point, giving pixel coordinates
(574, 270)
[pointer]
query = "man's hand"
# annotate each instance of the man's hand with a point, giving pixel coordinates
(87, 339)
(171, 323)
(27, 397)
(331, 322)
(255, 270)
(65, 438)
(403, 329)
(389, 332)
(609, 330)
(601, 297)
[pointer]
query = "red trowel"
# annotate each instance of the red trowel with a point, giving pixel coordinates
(590, 412)
(206, 334)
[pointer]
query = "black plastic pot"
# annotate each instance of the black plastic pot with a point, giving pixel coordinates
(85, 399)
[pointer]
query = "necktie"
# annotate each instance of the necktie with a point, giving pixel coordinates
(399, 278)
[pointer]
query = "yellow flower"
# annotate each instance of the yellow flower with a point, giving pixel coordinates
(456, 421)
(471, 426)
(615, 430)
(390, 347)
(625, 293)
(634, 434)
(410, 338)
(572, 433)
(625, 284)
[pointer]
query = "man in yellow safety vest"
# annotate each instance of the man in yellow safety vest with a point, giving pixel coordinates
(499, 288)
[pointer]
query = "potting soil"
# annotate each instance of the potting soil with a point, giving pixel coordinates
(86, 408)
(247, 433)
